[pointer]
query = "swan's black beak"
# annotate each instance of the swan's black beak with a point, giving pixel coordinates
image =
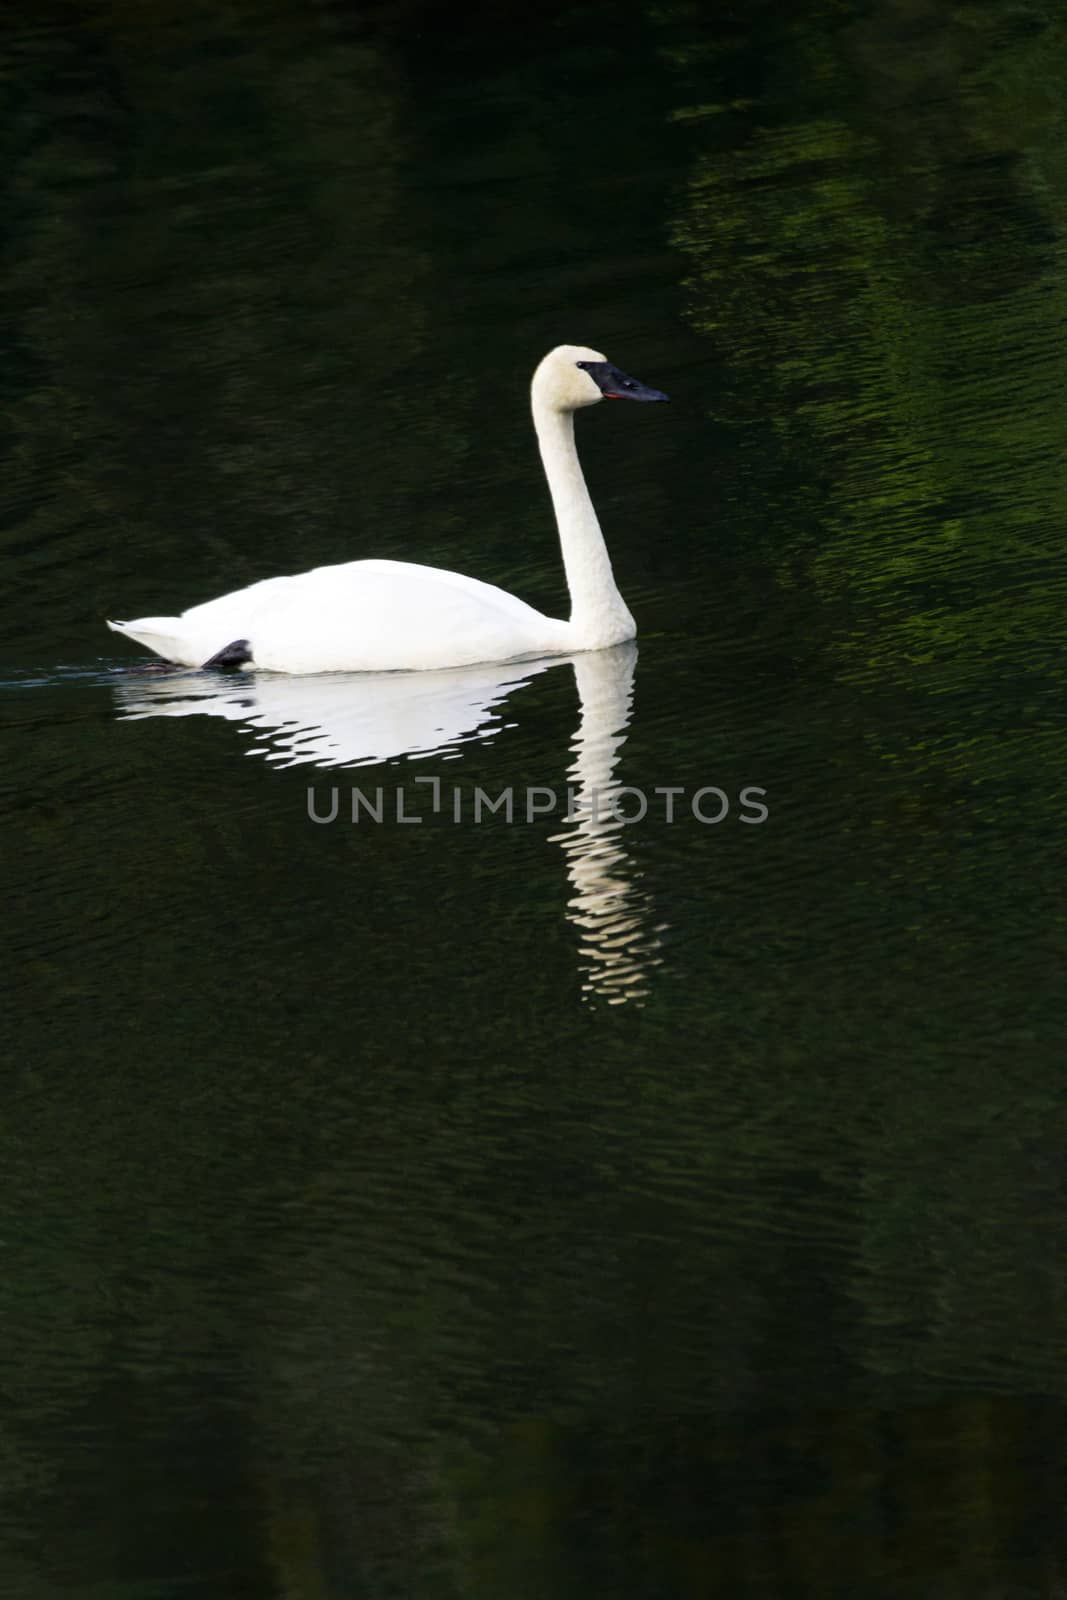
(615, 385)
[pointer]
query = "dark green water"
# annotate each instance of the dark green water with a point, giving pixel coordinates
(548, 1210)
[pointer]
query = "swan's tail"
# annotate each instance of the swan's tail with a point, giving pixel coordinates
(159, 634)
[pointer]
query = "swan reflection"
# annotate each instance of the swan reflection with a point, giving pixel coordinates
(362, 719)
(340, 719)
(618, 943)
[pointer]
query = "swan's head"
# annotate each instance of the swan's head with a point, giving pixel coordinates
(571, 376)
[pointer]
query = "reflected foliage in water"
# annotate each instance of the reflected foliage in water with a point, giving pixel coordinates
(879, 264)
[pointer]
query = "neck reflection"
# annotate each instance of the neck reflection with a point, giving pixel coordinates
(618, 944)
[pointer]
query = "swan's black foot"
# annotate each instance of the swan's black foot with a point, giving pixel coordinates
(236, 654)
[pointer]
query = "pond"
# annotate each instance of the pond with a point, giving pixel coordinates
(575, 1127)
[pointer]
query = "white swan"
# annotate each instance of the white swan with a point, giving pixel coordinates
(379, 616)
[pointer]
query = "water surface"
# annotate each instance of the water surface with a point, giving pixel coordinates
(545, 1208)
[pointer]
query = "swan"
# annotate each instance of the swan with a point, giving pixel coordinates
(382, 616)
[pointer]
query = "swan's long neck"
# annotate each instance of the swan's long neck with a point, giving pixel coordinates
(598, 612)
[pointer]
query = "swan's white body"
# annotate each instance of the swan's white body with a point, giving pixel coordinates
(375, 616)
(364, 616)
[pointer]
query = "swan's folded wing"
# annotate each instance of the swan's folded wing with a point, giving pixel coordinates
(385, 615)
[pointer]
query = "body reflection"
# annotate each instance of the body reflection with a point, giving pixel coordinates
(361, 719)
(342, 719)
